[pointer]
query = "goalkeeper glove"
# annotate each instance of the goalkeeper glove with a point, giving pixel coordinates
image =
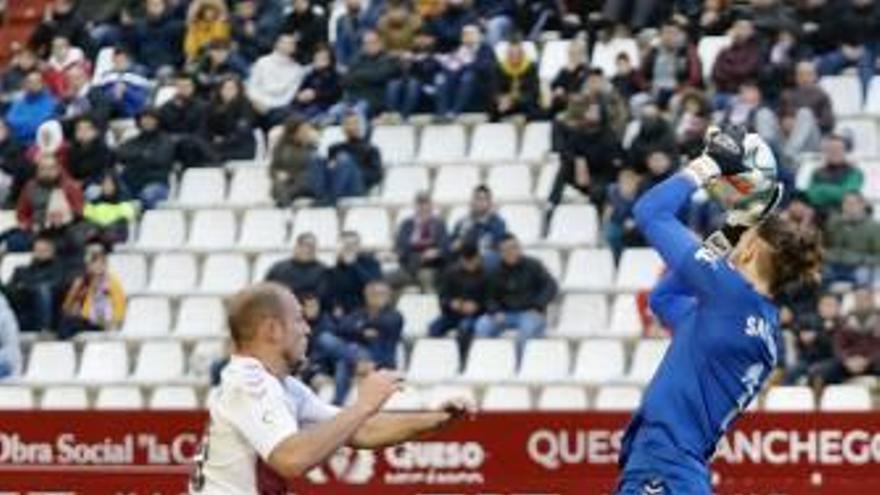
(722, 241)
(723, 155)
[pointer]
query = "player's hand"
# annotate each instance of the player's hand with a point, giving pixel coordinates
(725, 148)
(376, 388)
(457, 408)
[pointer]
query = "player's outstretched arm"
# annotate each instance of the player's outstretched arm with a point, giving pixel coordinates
(389, 428)
(299, 452)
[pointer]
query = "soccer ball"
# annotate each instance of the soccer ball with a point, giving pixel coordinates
(753, 190)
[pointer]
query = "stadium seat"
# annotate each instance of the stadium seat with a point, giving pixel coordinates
(438, 394)
(708, 49)
(599, 361)
(574, 225)
(223, 274)
(16, 397)
(172, 397)
(263, 229)
(562, 398)
(493, 142)
(396, 143)
(264, 263)
(871, 187)
(164, 94)
(589, 270)
(617, 398)
(202, 187)
(11, 261)
(51, 362)
(402, 183)
(605, 54)
(418, 311)
(490, 360)
(321, 222)
(119, 398)
(442, 144)
(872, 100)
(864, 135)
(8, 220)
(103, 362)
(524, 221)
(159, 361)
(506, 398)
(130, 269)
(162, 230)
(330, 135)
(203, 355)
(535, 141)
(103, 63)
(793, 398)
(212, 230)
(546, 177)
(845, 93)
(550, 258)
(844, 398)
(373, 225)
(454, 215)
(408, 399)
(64, 398)
(510, 183)
(455, 183)
(583, 315)
(639, 269)
(200, 317)
(545, 360)
(434, 360)
(147, 317)
(646, 358)
(554, 56)
(174, 273)
(250, 186)
(625, 318)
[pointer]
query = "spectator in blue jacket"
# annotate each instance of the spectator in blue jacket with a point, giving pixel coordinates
(30, 109)
(127, 91)
(156, 39)
(418, 85)
(447, 25)
(255, 25)
(354, 269)
(321, 88)
(482, 227)
(463, 70)
(350, 28)
(498, 17)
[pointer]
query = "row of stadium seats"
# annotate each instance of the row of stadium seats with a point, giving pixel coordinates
(836, 398)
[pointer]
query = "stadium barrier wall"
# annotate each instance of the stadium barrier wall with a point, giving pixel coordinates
(87, 452)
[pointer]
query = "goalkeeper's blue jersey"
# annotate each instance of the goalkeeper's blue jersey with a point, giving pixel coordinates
(725, 343)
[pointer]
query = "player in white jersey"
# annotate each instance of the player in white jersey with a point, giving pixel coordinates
(267, 428)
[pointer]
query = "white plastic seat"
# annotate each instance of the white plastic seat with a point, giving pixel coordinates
(174, 273)
(583, 315)
(864, 135)
(162, 229)
(545, 360)
(330, 135)
(639, 269)
(418, 311)
(625, 318)
(103, 63)
(605, 54)
(202, 187)
(438, 394)
(212, 230)
(794, 398)
(510, 183)
(506, 398)
(550, 258)
(396, 143)
(433, 360)
(524, 221)
(872, 100)
(455, 183)
(840, 398)
(51, 362)
(130, 269)
(147, 317)
(103, 362)
(16, 397)
(845, 93)
(174, 397)
(599, 361)
(442, 144)
(493, 142)
(536, 141)
(871, 187)
(321, 222)
(401, 184)
(373, 225)
(11, 261)
(554, 56)
(265, 262)
(203, 355)
(546, 177)
(64, 398)
(617, 398)
(159, 361)
(456, 214)
(708, 49)
(164, 94)
(490, 360)
(562, 398)
(119, 398)
(263, 229)
(589, 269)
(574, 225)
(8, 220)
(200, 317)
(225, 273)
(250, 186)
(646, 358)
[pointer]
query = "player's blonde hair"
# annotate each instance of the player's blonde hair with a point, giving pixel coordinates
(249, 307)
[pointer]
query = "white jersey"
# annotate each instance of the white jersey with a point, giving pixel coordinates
(251, 414)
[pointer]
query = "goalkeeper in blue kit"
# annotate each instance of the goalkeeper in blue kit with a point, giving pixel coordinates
(718, 299)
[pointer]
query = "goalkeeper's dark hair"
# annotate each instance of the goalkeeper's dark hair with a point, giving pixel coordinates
(796, 258)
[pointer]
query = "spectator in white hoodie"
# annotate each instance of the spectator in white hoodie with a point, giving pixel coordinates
(275, 79)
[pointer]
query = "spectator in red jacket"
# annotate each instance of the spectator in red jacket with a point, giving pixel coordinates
(856, 343)
(63, 59)
(738, 63)
(51, 199)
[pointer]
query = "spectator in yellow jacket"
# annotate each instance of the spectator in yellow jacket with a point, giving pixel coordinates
(95, 300)
(207, 21)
